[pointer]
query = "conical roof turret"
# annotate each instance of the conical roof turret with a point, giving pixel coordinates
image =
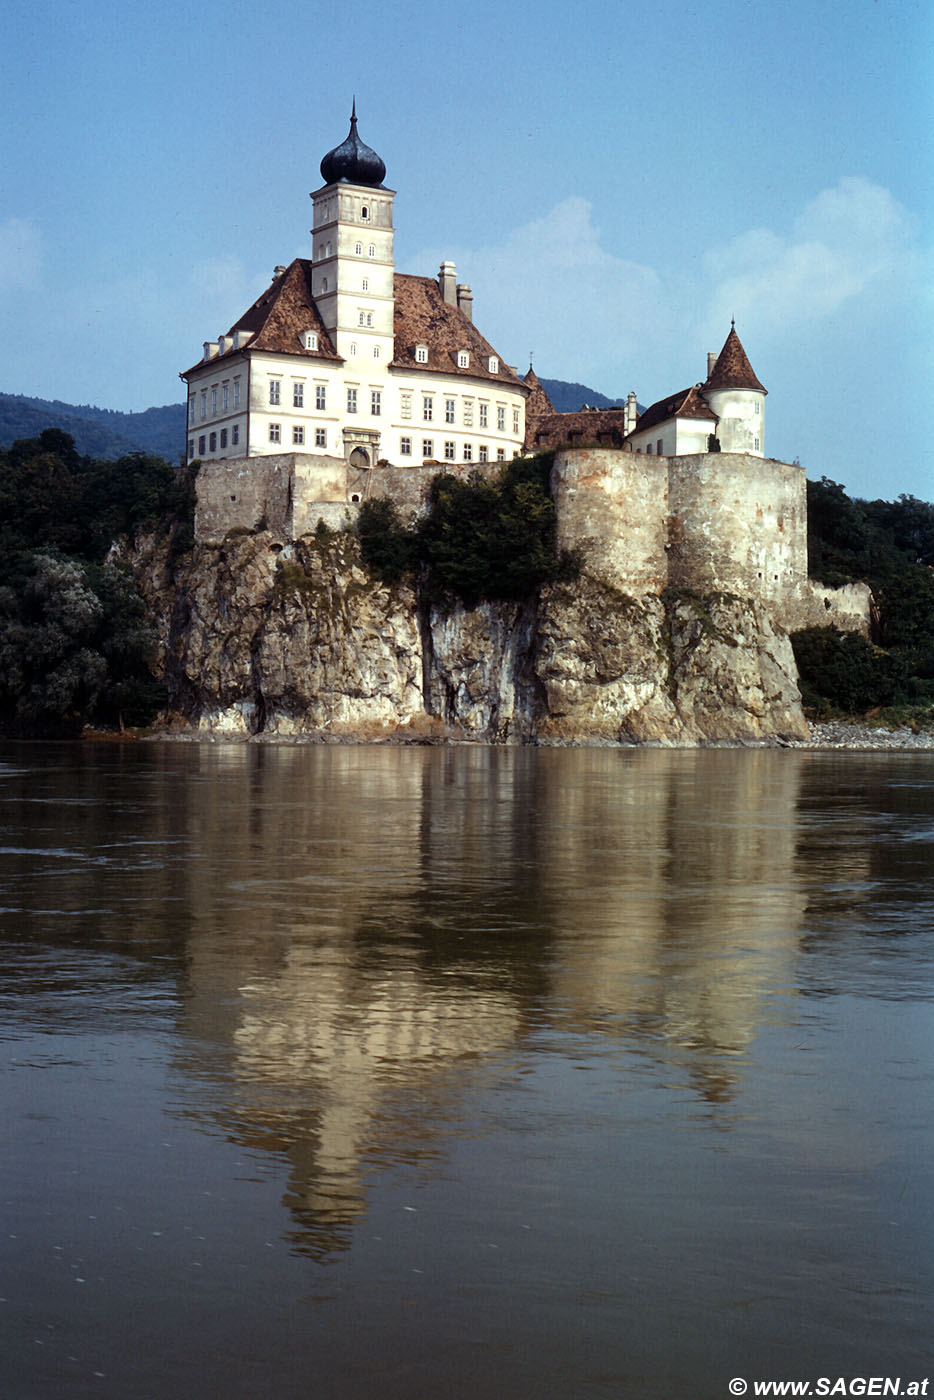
(732, 369)
(353, 162)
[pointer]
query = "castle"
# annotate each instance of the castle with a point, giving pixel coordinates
(346, 380)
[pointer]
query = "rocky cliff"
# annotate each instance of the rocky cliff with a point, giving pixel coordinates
(257, 637)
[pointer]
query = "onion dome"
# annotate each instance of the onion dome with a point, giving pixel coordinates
(352, 162)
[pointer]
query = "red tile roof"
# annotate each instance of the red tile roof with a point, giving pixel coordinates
(423, 317)
(733, 370)
(687, 403)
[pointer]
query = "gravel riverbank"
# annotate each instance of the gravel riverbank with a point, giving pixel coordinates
(839, 734)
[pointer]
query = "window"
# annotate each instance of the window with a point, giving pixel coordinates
(321, 437)
(191, 448)
(225, 397)
(376, 402)
(484, 453)
(351, 400)
(324, 284)
(428, 408)
(405, 446)
(204, 403)
(484, 415)
(468, 413)
(515, 421)
(427, 448)
(366, 284)
(275, 390)
(468, 452)
(757, 444)
(449, 407)
(321, 397)
(463, 359)
(191, 409)
(406, 405)
(500, 454)
(223, 438)
(275, 432)
(375, 352)
(311, 340)
(358, 249)
(421, 354)
(298, 396)
(648, 449)
(361, 318)
(364, 211)
(213, 401)
(212, 442)
(235, 435)
(758, 408)
(353, 349)
(658, 447)
(298, 436)
(371, 251)
(449, 451)
(201, 445)
(493, 364)
(500, 418)
(329, 250)
(236, 393)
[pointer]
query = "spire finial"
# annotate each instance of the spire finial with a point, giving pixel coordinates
(353, 111)
(732, 323)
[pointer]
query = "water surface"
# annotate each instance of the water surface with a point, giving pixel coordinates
(372, 1072)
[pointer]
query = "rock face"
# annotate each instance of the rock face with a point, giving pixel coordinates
(261, 638)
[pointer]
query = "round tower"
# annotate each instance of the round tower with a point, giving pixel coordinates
(737, 398)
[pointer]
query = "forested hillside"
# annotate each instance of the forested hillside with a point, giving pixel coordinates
(75, 644)
(890, 546)
(97, 432)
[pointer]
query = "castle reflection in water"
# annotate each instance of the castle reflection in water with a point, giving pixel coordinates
(368, 934)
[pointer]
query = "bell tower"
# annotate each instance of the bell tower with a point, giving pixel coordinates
(352, 254)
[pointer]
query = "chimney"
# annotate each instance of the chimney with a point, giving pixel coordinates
(465, 300)
(446, 278)
(631, 412)
(711, 361)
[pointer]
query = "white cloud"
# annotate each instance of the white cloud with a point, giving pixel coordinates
(852, 240)
(20, 254)
(552, 288)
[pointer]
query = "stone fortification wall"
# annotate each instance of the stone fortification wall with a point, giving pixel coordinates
(244, 492)
(738, 524)
(710, 523)
(849, 609)
(614, 505)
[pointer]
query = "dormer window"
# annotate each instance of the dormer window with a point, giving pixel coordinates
(493, 364)
(421, 354)
(463, 359)
(310, 340)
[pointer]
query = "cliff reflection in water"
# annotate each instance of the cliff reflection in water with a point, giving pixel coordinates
(394, 923)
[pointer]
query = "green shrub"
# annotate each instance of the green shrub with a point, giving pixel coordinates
(843, 671)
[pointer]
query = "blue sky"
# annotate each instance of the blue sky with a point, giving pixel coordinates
(615, 185)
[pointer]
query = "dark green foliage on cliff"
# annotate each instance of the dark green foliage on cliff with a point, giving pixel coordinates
(843, 671)
(483, 537)
(75, 643)
(890, 546)
(389, 548)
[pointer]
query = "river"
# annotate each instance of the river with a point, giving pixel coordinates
(466, 1073)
